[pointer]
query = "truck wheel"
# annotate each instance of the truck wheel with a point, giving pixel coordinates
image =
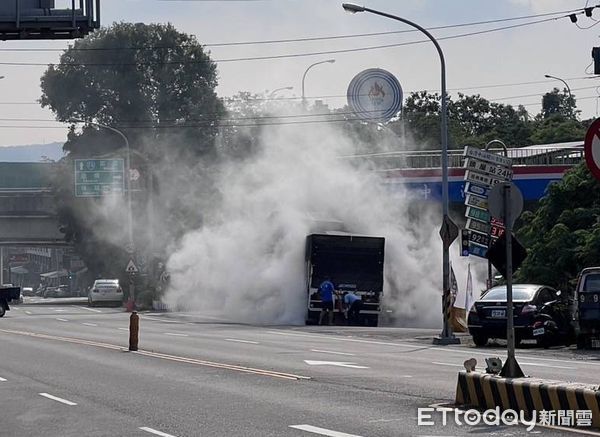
(373, 321)
(2, 308)
(480, 340)
(581, 342)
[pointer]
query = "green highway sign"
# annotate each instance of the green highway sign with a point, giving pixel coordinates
(99, 177)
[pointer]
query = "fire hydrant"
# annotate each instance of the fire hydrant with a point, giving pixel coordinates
(134, 329)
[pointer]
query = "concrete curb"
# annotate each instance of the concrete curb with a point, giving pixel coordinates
(485, 391)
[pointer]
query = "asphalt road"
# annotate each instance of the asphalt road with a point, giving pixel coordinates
(65, 371)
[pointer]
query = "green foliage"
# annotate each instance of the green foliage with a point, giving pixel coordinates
(145, 93)
(164, 102)
(563, 235)
(476, 121)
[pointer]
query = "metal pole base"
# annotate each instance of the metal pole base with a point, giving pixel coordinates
(511, 369)
(443, 341)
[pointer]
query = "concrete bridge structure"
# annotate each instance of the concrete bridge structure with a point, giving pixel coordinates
(28, 214)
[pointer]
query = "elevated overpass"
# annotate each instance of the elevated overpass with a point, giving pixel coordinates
(535, 167)
(28, 215)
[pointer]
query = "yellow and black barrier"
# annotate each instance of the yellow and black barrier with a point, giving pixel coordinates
(486, 391)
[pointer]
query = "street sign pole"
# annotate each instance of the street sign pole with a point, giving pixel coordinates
(511, 367)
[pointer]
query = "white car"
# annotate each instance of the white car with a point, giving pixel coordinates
(105, 291)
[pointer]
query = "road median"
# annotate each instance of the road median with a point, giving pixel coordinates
(574, 403)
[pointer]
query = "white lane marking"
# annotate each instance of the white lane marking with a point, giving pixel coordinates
(155, 432)
(88, 309)
(446, 349)
(2, 380)
(322, 431)
(174, 334)
(334, 363)
(60, 311)
(16, 308)
(28, 312)
(61, 320)
(123, 329)
(89, 324)
(242, 341)
(331, 352)
(356, 340)
(447, 364)
(548, 365)
(57, 399)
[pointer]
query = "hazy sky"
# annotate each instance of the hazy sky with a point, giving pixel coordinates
(524, 54)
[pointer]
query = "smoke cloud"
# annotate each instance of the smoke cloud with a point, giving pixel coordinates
(246, 262)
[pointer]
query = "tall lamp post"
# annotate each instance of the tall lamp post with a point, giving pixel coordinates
(548, 76)
(131, 246)
(447, 337)
(327, 61)
(272, 93)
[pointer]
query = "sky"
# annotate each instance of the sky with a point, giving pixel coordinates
(475, 64)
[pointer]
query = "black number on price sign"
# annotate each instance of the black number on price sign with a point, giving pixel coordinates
(482, 239)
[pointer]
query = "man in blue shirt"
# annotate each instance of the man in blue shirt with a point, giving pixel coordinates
(326, 290)
(353, 305)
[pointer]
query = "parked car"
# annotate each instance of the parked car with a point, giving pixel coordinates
(28, 291)
(587, 315)
(539, 313)
(105, 291)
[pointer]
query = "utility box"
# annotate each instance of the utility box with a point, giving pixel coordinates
(44, 19)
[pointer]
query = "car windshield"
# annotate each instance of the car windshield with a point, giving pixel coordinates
(519, 293)
(592, 282)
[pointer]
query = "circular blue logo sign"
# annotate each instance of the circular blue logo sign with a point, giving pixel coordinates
(375, 95)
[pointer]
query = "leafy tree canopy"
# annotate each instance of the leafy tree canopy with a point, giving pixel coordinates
(563, 234)
(147, 80)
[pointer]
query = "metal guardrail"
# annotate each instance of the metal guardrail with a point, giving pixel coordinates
(387, 161)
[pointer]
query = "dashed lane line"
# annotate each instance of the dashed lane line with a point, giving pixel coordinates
(89, 324)
(331, 352)
(88, 309)
(446, 349)
(175, 334)
(57, 399)
(180, 359)
(2, 380)
(322, 431)
(156, 432)
(28, 312)
(237, 340)
(61, 320)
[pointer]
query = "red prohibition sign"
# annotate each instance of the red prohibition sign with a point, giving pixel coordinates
(591, 148)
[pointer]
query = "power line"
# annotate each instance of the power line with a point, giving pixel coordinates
(294, 40)
(285, 56)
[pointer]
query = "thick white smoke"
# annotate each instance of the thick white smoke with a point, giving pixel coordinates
(246, 263)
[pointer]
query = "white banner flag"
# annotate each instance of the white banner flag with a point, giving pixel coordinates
(469, 299)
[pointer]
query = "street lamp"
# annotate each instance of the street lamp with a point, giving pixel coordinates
(131, 246)
(272, 93)
(548, 76)
(328, 61)
(447, 337)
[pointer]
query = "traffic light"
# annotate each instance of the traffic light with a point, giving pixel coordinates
(596, 57)
(464, 242)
